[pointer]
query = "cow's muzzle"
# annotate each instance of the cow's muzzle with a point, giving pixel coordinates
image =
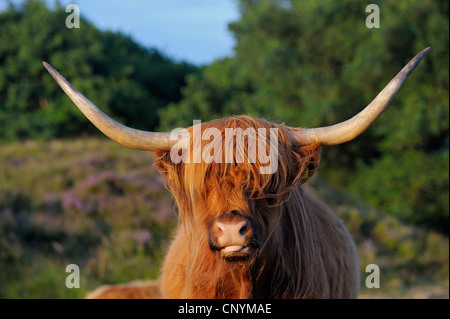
(235, 237)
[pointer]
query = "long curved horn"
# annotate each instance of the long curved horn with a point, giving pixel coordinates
(129, 137)
(349, 129)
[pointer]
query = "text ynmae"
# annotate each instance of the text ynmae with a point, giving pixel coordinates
(226, 308)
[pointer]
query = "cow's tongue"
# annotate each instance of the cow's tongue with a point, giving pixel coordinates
(232, 248)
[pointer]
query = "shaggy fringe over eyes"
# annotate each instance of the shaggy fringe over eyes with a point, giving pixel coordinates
(203, 183)
(203, 191)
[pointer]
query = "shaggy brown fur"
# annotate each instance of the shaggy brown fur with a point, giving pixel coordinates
(306, 251)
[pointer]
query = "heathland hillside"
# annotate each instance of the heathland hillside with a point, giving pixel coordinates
(93, 203)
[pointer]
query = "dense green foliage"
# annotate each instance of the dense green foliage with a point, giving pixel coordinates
(315, 63)
(127, 80)
(103, 207)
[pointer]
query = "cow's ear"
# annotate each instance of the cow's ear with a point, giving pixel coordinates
(307, 159)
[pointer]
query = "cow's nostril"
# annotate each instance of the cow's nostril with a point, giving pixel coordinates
(219, 228)
(244, 228)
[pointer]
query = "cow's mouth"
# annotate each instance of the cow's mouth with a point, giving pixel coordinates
(235, 253)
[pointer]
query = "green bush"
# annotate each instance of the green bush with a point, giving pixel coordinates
(411, 186)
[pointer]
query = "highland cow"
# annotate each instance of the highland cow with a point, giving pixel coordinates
(243, 233)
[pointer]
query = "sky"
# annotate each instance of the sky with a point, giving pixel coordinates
(195, 31)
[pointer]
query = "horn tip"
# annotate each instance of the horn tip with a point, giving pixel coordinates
(46, 65)
(50, 69)
(426, 50)
(423, 53)
(55, 74)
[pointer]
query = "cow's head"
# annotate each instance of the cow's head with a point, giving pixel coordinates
(225, 196)
(228, 203)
